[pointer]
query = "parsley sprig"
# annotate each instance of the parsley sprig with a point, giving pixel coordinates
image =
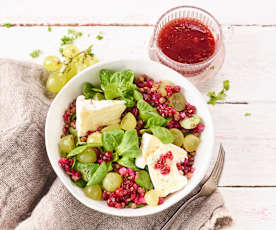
(221, 95)
(35, 53)
(71, 36)
(8, 25)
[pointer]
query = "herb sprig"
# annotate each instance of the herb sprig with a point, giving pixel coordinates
(221, 95)
(35, 53)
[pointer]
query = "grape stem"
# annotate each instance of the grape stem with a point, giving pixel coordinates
(66, 63)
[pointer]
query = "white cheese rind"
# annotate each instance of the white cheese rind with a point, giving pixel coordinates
(92, 114)
(172, 182)
(149, 145)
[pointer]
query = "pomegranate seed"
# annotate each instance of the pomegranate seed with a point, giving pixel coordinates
(160, 200)
(176, 89)
(107, 156)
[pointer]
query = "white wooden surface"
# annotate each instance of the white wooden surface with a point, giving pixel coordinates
(248, 182)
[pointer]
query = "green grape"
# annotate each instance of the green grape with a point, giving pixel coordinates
(112, 181)
(190, 122)
(110, 127)
(95, 138)
(177, 101)
(152, 197)
(52, 63)
(98, 97)
(191, 143)
(66, 144)
(128, 122)
(94, 192)
(88, 60)
(55, 82)
(80, 66)
(162, 87)
(70, 51)
(70, 70)
(178, 136)
(87, 156)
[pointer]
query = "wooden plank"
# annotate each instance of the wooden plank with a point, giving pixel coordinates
(249, 64)
(251, 208)
(130, 12)
(249, 142)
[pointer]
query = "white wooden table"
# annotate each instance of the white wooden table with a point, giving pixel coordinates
(248, 183)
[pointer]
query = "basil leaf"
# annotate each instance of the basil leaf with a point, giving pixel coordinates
(79, 150)
(98, 175)
(127, 162)
(163, 134)
(156, 121)
(142, 178)
(129, 146)
(111, 139)
(86, 169)
(80, 183)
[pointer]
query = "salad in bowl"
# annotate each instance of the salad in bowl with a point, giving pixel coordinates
(129, 137)
(130, 141)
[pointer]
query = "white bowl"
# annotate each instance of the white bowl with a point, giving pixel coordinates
(54, 126)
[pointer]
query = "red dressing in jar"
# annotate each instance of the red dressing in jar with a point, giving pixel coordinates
(186, 40)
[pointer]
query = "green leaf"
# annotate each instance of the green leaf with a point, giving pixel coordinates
(111, 91)
(226, 84)
(99, 175)
(118, 84)
(109, 166)
(73, 117)
(86, 169)
(73, 131)
(247, 114)
(142, 178)
(80, 183)
(79, 150)
(129, 101)
(88, 90)
(111, 139)
(156, 121)
(49, 29)
(137, 95)
(105, 76)
(127, 162)
(35, 53)
(144, 106)
(129, 146)
(163, 134)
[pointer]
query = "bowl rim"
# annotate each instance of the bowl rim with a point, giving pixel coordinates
(116, 212)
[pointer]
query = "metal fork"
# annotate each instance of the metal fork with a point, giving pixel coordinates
(207, 188)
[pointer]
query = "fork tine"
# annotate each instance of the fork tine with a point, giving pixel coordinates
(217, 162)
(218, 172)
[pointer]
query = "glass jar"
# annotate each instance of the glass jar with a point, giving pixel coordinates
(195, 69)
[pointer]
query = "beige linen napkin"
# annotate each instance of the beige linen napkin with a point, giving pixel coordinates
(32, 198)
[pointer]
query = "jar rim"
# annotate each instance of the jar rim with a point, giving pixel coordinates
(183, 65)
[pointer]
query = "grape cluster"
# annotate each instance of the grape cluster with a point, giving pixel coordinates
(62, 71)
